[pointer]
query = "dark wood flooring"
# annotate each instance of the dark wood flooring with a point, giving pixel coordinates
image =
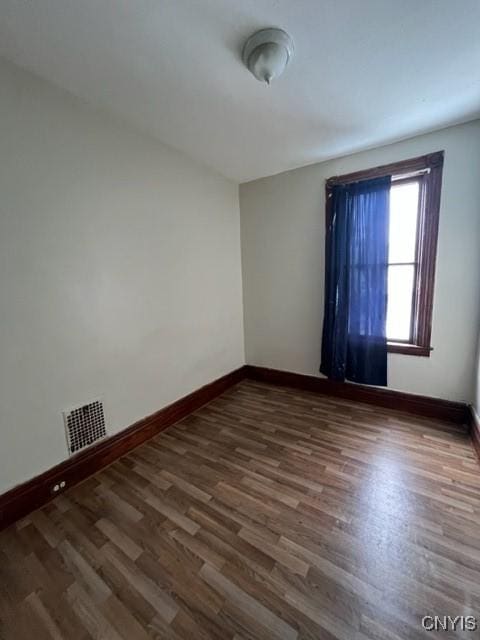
(269, 513)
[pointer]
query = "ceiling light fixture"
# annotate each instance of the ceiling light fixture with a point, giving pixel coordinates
(267, 52)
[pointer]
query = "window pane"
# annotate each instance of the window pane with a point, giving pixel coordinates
(403, 221)
(400, 294)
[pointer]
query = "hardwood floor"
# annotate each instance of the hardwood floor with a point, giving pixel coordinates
(269, 513)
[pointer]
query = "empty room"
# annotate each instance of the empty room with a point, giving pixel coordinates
(240, 319)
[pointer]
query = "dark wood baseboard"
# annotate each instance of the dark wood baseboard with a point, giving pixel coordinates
(474, 429)
(36, 492)
(420, 405)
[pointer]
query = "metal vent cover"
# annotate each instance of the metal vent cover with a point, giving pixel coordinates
(84, 425)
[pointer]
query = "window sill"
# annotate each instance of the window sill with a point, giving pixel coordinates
(408, 349)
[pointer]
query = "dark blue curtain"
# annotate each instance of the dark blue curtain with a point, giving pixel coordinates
(354, 343)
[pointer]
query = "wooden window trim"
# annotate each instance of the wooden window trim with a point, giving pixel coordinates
(430, 167)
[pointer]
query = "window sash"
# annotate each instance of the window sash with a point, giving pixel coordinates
(418, 179)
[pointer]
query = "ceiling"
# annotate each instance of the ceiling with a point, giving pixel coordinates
(365, 72)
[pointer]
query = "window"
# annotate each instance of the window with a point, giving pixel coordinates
(402, 258)
(414, 209)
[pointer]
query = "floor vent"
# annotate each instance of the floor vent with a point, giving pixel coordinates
(84, 426)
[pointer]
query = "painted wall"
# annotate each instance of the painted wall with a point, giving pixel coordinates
(476, 394)
(120, 272)
(282, 220)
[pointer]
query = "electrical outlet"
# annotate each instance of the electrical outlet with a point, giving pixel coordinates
(58, 487)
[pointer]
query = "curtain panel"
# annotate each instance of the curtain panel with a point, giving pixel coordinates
(354, 342)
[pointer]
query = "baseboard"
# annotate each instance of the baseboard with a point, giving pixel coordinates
(420, 405)
(474, 429)
(36, 492)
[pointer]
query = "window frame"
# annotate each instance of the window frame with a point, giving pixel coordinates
(428, 170)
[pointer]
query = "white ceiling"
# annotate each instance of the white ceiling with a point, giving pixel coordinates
(366, 72)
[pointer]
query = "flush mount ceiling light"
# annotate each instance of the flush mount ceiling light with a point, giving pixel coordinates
(267, 52)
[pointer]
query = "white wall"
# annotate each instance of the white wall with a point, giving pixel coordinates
(282, 220)
(120, 272)
(476, 392)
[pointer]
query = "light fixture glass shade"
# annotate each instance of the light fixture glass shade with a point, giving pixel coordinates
(267, 52)
(268, 61)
